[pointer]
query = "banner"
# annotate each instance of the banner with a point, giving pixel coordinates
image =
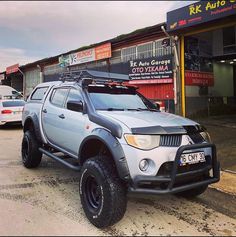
(151, 70)
(200, 12)
(88, 55)
(193, 78)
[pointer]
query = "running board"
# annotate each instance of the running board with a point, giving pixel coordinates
(56, 158)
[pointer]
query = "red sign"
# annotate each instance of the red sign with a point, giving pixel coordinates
(193, 78)
(12, 69)
(153, 81)
(103, 51)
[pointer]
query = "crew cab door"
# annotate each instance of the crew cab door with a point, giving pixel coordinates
(52, 111)
(74, 129)
(62, 127)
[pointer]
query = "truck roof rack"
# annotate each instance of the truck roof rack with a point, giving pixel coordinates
(96, 76)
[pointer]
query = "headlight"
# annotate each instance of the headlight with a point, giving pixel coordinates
(206, 136)
(144, 142)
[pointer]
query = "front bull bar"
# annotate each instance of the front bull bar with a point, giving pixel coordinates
(174, 174)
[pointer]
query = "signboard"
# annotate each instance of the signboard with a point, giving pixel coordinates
(12, 69)
(88, 55)
(200, 12)
(193, 78)
(151, 70)
(2, 77)
(103, 51)
(64, 60)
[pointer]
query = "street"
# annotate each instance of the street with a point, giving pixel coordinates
(45, 201)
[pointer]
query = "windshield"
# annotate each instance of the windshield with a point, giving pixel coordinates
(106, 98)
(7, 92)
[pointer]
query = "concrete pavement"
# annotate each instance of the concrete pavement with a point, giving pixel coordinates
(45, 201)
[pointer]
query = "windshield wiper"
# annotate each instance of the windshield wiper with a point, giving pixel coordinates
(114, 109)
(143, 109)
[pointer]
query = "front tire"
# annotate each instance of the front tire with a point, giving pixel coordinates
(31, 156)
(102, 193)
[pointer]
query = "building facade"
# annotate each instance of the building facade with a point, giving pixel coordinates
(207, 31)
(191, 68)
(146, 55)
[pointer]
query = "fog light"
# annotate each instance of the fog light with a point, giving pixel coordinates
(143, 165)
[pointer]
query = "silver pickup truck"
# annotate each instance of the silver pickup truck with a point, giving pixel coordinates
(120, 140)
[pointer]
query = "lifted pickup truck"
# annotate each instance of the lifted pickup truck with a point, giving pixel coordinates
(120, 141)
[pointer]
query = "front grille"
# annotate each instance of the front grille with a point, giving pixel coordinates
(170, 140)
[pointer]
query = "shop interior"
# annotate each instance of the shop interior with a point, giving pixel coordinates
(211, 56)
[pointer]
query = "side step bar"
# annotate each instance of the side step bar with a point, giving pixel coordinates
(56, 158)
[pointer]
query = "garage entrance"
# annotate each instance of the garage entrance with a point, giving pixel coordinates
(210, 72)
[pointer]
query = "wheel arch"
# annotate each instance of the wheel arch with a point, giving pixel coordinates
(101, 137)
(32, 123)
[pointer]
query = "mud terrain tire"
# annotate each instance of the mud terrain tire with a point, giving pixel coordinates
(31, 156)
(102, 193)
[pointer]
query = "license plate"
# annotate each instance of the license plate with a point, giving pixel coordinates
(192, 158)
(17, 112)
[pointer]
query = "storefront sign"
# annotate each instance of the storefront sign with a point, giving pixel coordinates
(193, 78)
(12, 69)
(151, 70)
(103, 51)
(64, 60)
(200, 12)
(89, 55)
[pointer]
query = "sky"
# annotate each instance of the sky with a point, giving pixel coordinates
(34, 30)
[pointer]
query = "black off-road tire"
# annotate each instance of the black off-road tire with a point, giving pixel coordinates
(193, 192)
(31, 156)
(103, 195)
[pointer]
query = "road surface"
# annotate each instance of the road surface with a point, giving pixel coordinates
(45, 201)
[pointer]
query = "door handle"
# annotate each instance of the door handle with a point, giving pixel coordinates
(44, 111)
(62, 116)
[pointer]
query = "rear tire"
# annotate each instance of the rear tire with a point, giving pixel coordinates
(193, 192)
(102, 193)
(31, 156)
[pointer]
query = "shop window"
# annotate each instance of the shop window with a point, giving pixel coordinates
(128, 54)
(116, 57)
(198, 54)
(229, 42)
(160, 50)
(145, 50)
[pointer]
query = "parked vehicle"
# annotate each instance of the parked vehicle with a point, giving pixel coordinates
(7, 92)
(120, 140)
(11, 111)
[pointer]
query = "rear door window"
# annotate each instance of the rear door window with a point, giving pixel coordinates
(13, 103)
(59, 96)
(39, 93)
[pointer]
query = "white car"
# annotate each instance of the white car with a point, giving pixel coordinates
(11, 111)
(7, 92)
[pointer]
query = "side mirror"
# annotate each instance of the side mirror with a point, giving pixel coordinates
(76, 106)
(157, 105)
